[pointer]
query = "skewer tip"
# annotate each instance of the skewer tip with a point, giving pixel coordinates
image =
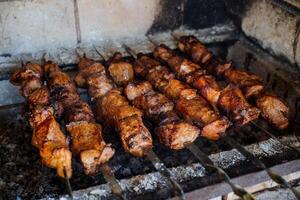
(68, 184)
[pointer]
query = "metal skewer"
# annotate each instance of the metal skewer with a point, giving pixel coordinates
(68, 184)
(157, 163)
(112, 180)
(204, 159)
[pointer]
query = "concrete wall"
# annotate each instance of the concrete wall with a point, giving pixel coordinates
(275, 26)
(43, 25)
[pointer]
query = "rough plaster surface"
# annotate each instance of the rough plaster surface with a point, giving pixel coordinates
(47, 25)
(109, 19)
(35, 25)
(273, 27)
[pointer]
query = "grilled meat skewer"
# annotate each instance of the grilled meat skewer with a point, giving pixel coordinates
(230, 100)
(171, 131)
(188, 103)
(47, 135)
(274, 110)
(113, 109)
(87, 140)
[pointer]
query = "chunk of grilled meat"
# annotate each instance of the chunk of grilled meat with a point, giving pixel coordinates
(194, 48)
(47, 135)
(82, 76)
(171, 131)
(233, 102)
(121, 72)
(274, 110)
(87, 140)
(249, 83)
(51, 142)
(208, 87)
(189, 104)
(26, 73)
(80, 111)
(113, 109)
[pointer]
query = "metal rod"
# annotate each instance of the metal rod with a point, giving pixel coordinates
(159, 166)
(274, 137)
(68, 184)
(209, 164)
(203, 158)
(152, 41)
(274, 176)
(112, 180)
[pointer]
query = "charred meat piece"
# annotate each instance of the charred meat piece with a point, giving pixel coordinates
(51, 142)
(136, 138)
(159, 77)
(86, 72)
(133, 90)
(121, 71)
(87, 141)
(27, 72)
(143, 64)
(250, 84)
(192, 46)
(39, 96)
(233, 102)
(163, 53)
(80, 111)
(274, 110)
(208, 88)
(99, 85)
(30, 85)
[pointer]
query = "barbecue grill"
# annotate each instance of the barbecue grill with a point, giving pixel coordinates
(236, 31)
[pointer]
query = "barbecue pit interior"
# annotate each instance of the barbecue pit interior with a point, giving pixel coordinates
(67, 74)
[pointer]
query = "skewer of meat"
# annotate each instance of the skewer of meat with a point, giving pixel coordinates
(142, 95)
(230, 100)
(86, 134)
(114, 109)
(144, 63)
(47, 134)
(273, 109)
